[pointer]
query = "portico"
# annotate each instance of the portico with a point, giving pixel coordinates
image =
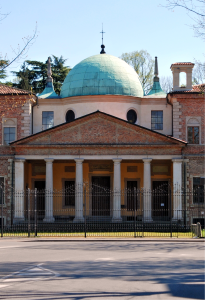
(81, 171)
(99, 155)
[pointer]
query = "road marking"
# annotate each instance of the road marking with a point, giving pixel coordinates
(104, 259)
(3, 285)
(5, 247)
(197, 282)
(21, 279)
(30, 274)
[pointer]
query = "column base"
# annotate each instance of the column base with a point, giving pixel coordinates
(177, 220)
(49, 219)
(18, 220)
(116, 220)
(148, 220)
(78, 220)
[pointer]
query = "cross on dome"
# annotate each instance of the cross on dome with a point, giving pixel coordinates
(102, 46)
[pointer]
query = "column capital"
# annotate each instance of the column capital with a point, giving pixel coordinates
(79, 160)
(147, 160)
(22, 160)
(49, 160)
(117, 160)
(177, 160)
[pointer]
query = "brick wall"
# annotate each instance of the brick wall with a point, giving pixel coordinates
(16, 107)
(187, 105)
(6, 170)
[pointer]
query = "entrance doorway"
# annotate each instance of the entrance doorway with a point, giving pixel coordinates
(101, 195)
(131, 185)
(160, 199)
(40, 186)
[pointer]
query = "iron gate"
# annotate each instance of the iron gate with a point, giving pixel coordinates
(164, 211)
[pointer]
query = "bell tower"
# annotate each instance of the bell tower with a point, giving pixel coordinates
(177, 68)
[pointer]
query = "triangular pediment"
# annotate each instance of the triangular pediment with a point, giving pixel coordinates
(98, 129)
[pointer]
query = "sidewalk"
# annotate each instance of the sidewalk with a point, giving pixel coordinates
(101, 239)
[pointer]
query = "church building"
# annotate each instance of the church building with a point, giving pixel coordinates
(103, 134)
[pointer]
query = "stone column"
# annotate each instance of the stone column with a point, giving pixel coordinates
(177, 189)
(19, 191)
(49, 191)
(175, 79)
(147, 204)
(189, 80)
(79, 191)
(117, 191)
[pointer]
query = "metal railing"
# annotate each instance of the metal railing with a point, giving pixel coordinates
(98, 211)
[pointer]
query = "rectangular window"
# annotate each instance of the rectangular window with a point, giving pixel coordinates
(69, 186)
(193, 134)
(47, 119)
(1, 189)
(157, 120)
(9, 135)
(198, 190)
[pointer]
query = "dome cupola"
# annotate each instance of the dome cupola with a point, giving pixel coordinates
(102, 75)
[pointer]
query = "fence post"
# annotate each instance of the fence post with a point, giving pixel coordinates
(2, 217)
(198, 230)
(29, 219)
(170, 205)
(135, 212)
(84, 191)
(177, 225)
(35, 210)
(192, 221)
(142, 200)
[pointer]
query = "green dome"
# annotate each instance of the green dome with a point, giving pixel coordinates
(102, 74)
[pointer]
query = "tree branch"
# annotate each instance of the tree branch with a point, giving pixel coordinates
(28, 42)
(173, 4)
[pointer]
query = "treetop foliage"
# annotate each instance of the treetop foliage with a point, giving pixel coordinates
(33, 74)
(143, 64)
(3, 63)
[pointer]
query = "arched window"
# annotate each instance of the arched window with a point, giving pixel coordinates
(132, 116)
(182, 79)
(70, 116)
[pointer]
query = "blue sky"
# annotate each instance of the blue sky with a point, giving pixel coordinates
(72, 29)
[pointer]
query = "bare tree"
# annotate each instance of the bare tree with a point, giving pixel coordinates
(3, 16)
(198, 72)
(166, 83)
(195, 9)
(143, 64)
(18, 53)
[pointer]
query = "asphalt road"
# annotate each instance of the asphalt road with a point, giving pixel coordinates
(101, 269)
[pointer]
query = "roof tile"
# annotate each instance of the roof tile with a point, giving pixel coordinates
(183, 63)
(198, 88)
(8, 90)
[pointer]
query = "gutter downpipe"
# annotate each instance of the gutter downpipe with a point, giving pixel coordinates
(32, 113)
(172, 112)
(184, 186)
(185, 193)
(12, 191)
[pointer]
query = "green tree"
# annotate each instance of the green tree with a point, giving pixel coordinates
(23, 78)
(59, 71)
(33, 74)
(3, 63)
(143, 64)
